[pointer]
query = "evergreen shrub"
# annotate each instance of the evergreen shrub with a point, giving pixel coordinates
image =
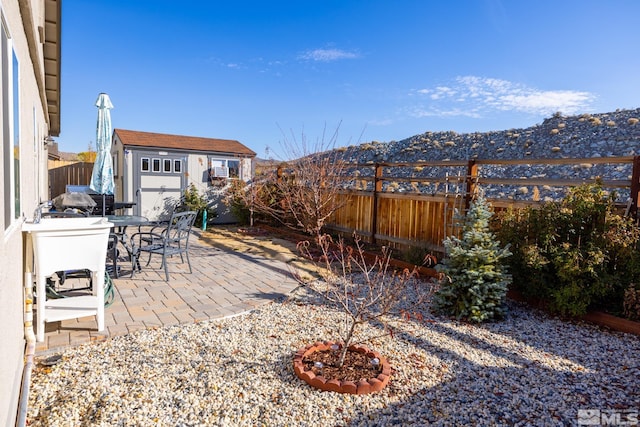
(475, 282)
(577, 254)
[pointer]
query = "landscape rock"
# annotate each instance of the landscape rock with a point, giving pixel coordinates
(586, 136)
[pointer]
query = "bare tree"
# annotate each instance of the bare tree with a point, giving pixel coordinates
(306, 189)
(364, 289)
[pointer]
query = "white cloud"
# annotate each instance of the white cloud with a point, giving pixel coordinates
(419, 112)
(442, 92)
(474, 96)
(568, 102)
(327, 55)
(381, 122)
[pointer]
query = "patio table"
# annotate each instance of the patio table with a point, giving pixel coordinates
(120, 206)
(120, 224)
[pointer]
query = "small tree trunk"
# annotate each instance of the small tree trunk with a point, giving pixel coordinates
(347, 342)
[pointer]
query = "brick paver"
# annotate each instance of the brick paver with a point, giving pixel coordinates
(222, 284)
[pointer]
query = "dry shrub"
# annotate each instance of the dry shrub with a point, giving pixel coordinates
(305, 190)
(631, 303)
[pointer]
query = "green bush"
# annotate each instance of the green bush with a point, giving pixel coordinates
(417, 255)
(192, 200)
(475, 283)
(236, 200)
(577, 254)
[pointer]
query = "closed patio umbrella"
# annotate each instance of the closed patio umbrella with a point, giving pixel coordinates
(102, 175)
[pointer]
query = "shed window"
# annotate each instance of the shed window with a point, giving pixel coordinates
(177, 166)
(166, 165)
(114, 162)
(234, 168)
(224, 168)
(156, 165)
(145, 165)
(218, 168)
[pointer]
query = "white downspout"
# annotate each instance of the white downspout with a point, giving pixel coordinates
(30, 338)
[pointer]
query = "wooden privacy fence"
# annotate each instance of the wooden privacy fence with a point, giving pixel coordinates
(74, 174)
(390, 203)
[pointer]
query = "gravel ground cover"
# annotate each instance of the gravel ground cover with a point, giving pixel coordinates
(530, 369)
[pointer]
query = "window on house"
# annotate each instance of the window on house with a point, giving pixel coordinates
(145, 165)
(166, 165)
(10, 127)
(16, 138)
(177, 166)
(156, 165)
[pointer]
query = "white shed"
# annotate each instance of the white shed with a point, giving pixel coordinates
(153, 170)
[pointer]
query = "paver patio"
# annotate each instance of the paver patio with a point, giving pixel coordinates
(223, 283)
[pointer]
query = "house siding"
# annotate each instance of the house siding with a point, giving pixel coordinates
(32, 128)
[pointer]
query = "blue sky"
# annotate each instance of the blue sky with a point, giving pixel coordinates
(268, 72)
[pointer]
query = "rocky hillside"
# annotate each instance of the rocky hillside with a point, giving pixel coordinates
(584, 136)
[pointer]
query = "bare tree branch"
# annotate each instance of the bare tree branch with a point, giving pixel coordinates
(305, 191)
(365, 291)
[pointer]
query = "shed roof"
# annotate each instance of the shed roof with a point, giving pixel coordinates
(163, 140)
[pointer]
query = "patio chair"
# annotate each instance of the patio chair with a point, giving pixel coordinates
(166, 240)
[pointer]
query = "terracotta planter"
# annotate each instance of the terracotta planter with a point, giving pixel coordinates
(364, 386)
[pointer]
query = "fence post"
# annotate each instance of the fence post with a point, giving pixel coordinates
(279, 178)
(377, 188)
(471, 183)
(635, 187)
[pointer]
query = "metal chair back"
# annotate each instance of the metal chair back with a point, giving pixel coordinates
(172, 239)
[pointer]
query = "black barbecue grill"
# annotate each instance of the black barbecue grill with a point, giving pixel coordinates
(82, 198)
(74, 202)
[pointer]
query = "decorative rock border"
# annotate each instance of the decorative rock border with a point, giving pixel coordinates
(364, 386)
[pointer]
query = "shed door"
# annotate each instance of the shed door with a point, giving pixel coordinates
(160, 182)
